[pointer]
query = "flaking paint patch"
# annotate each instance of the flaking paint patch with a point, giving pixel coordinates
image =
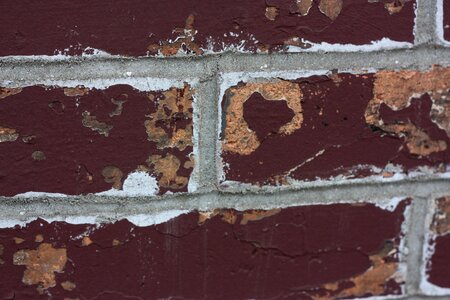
(177, 127)
(5, 92)
(216, 30)
(238, 137)
(41, 265)
(8, 134)
(249, 243)
(434, 271)
(420, 144)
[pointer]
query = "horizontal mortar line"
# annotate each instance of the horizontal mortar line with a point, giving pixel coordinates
(26, 71)
(113, 208)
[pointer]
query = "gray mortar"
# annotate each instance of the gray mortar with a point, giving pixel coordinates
(24, 71)
(414, 240)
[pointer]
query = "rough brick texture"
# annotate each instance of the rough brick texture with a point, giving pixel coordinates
(166, 27)
(311, 252)
(339, 125)
(79, 140)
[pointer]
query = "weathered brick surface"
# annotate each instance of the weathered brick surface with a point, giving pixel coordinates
(149, 27)
(446, 24)
(78, 140)
(311, 252)
(438, 263)
(342, 124)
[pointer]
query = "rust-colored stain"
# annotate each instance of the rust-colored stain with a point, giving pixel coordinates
(184, 41)
(173, 105)
(348, 125)
(112, 174)
(8, 134)
(5, 92)
(438, 265)
(68, 285)
(95, 125)
(95, 139)
(306, 252)
(238, 137)
(41, 265)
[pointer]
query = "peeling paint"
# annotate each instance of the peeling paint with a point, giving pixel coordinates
(127, 126)
(395, 89)
(68, 286)
(41, 265)
(331, 8)
(184, 41)
(436, 259)
(95, 125)
(208, 27)
(5, 92)
(166, 169)
(174, 105)
(8, 134)
(313, 249)
(112, 174)
(404, 113)
(238, 137)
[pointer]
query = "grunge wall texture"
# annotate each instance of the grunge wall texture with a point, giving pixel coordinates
(278, 149)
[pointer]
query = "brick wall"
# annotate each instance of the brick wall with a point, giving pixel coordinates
(278, 149)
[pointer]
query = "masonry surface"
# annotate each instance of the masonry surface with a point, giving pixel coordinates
(279, 149)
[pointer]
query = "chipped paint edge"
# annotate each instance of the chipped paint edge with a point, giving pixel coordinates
(229, 79)
(440, 23)
(383, 44)
(428, 249)
(142, 84)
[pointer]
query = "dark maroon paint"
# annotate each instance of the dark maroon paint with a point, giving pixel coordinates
(289, 255)
(439, 272)
(341, 130)
(73, 151)
(446, 22)
(128, 27)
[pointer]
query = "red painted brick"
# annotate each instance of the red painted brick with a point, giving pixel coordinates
(147, 27)
(350, 125)
(438, 256)
(312, 252)
(78, 140)
(446, 4)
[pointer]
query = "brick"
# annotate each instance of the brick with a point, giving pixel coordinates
(308, 252)
(437, 268)
(168, 27)
(446, 19)
(80, 140)
(335, 126)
